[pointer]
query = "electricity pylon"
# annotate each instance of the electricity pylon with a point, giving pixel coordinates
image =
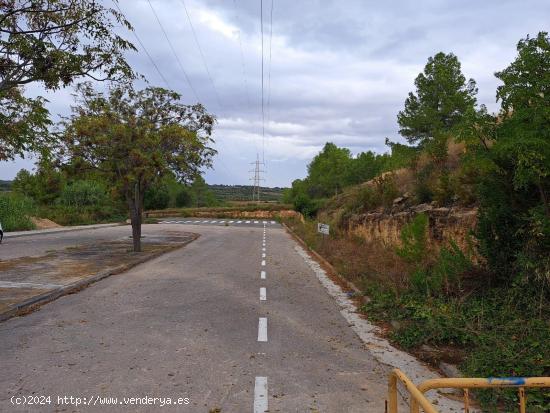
(257, 178)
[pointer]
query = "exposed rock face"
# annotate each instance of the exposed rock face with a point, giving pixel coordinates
(445, 224)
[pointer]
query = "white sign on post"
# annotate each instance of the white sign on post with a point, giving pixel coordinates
(323, 228)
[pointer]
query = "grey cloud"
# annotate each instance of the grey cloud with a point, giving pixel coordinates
(340, 69)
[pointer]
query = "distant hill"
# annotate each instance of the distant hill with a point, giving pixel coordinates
(244, 192)
(5, 185)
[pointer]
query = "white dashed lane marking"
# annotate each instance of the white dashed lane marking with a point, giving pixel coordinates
(260, 395)
(263, 254)
(262, 275)
(262, 329)
(263, 294)
(263, 263)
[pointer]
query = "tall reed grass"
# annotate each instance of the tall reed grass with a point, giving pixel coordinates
(15, 212)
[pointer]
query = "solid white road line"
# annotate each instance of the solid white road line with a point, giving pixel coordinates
(262, 275)
(263, 294)
(263, 263)
(260, 395)
(262, 329)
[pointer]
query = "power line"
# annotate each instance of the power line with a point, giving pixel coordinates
(145, 50)
(269, 66)
(263, 112)
(202, 55)
(242, 56)
(174, 51)
(248, 102)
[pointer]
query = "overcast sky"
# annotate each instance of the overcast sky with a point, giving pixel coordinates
(339, 70)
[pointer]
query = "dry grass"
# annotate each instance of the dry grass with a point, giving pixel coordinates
(356, 260)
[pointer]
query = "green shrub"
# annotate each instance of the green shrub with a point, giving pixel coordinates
(305, 205)
(387, 190)
(423, 190)
(83, 194)
(15, 212)
(502, 329)
(446, 273)
(183, 198)
(414, 240)
(71, 215)
(156, 197)
(444, 193)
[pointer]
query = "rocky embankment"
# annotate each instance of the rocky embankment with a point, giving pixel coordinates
(445, 223)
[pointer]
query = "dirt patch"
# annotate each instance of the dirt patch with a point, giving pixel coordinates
(67, 271)
(44, 223)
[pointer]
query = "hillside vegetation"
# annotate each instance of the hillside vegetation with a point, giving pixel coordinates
(244, 193)
(486, 304)
(70, 196)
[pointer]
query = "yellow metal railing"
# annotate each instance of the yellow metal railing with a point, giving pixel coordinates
(418, 399)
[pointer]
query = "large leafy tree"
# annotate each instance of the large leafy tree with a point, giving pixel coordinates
(328, 171)
(443, 96)
(514, 217)
(51, 42)
(366, 166)
(134, 138)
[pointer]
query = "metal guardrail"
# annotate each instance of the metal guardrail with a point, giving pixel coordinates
(418, 399)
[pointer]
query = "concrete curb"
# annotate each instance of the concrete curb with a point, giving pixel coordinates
(49, 296)
(61, 230)
(323, 261)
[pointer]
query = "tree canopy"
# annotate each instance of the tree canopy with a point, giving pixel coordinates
(514, 216)
(52, 42)
(135, 137)
(442, 98)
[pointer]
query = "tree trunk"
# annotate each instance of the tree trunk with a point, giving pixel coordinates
(134, 204)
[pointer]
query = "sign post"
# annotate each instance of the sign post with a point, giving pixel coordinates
(323, 229)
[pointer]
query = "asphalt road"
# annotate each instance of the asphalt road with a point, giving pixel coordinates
(202, 326)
